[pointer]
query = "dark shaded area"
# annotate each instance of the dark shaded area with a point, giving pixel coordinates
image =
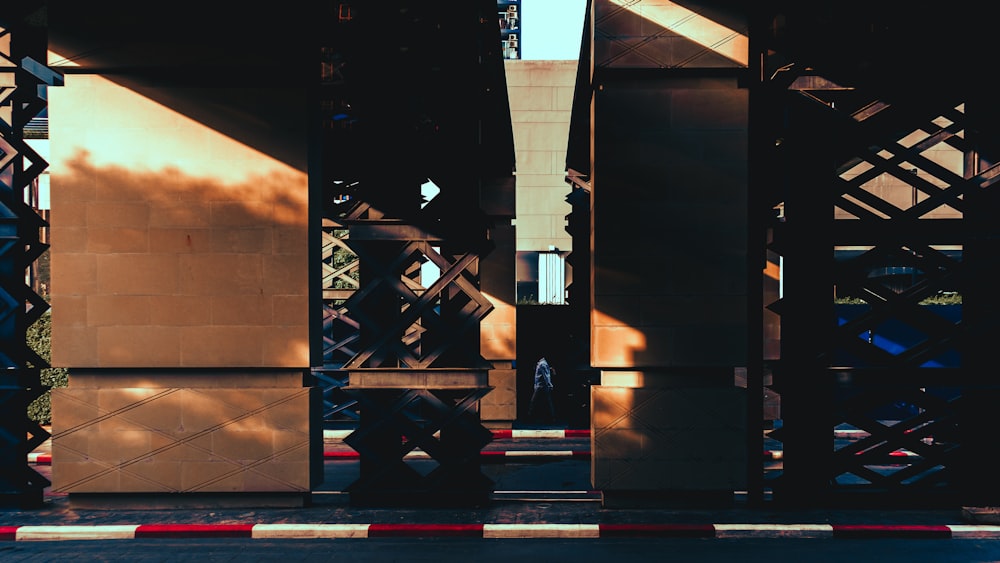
(246, 73)
(548, 330)
(411, 95)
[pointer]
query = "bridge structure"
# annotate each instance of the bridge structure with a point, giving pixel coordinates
(259, 221)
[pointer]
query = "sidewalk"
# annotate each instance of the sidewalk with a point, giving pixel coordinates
(330, 515)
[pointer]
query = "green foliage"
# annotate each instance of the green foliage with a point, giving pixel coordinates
(39, 338)
(341, 258)
(943, 298)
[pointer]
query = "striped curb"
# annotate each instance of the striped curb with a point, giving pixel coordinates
(556, 433)
(40, 458)
(488, 456)
(500, 456)
(495, 531)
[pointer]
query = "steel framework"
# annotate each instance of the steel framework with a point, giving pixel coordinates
(407, 338)
(875, 184)
(23, 78)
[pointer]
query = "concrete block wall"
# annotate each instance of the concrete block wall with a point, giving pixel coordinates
(180, 304)
(172, 245)
(669, 181)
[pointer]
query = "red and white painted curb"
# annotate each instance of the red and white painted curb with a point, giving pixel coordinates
(488, 456)
(494, 456)
(494, 531)
(499, 434)
(40, 458)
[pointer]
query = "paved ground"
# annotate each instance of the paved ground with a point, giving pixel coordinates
(330, 514)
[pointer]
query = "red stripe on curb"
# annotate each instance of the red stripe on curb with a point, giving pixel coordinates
(41, 459)
(424, 530)
(891, 531)
(503, 434)
(341, 455)
(658, 530)
(8, 532)
(194, 531)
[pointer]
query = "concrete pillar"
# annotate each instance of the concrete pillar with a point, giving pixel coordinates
(180, 301)
(669, 287)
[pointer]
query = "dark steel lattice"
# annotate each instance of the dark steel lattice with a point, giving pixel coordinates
(425, 323)
(444, 424)
(393, 78)
(22, 79)
(878, 199)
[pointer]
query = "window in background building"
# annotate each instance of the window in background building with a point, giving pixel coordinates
(551, 277)
(542, 277)
(509, 14)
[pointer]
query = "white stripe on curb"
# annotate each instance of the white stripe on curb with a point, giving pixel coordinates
(533, 453)
(974, 531)
(511, 531)
(52, 533)
(538, 433)
(773, 530)
(324, 531)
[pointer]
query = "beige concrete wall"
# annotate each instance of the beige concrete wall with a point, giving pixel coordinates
(498, 409)
(172, 244)
(178, 248)
(183, 432)
(541, 96)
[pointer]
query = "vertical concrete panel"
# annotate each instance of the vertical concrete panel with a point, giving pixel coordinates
(670, 185)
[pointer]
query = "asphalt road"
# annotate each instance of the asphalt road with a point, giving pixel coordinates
(441, 550)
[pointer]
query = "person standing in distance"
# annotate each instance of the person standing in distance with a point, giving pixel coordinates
(542, 393)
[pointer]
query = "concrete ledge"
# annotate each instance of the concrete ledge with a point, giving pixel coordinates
(981, 514)
(132, 501)
(666, 498)
(441, 378)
